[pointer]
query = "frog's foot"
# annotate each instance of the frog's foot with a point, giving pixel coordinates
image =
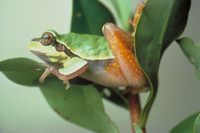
(67, 85)
(138, 14)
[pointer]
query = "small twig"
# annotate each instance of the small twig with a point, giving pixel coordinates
(135, 109)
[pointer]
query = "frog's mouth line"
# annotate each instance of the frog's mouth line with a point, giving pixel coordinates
(50, 59)
(41, 55)
(37, 52)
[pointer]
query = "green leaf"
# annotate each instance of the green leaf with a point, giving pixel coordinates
(161, 23)
(89, 16)
(189, 125)
(81, 105)
(192, 51)
(22, 70)
(122, 10)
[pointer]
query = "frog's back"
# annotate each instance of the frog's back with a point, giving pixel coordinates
(89, 47)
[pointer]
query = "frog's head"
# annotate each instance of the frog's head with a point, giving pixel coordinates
(48, 49)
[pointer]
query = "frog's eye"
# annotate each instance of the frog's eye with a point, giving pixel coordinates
(47, 38)
(60, 48)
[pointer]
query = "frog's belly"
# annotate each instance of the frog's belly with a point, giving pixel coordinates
(106, 73)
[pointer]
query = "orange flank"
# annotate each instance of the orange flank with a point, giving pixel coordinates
(113, 68)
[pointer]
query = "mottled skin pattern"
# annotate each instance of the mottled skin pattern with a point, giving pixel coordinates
(121, 45)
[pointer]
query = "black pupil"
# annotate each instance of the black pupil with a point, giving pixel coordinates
(46, 36)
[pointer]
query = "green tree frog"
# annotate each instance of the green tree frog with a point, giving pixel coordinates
(111, 64)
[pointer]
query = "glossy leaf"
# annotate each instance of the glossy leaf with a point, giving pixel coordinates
(161, 23)
(189, 125)
(81, 105)
(89, 16)
(192, 51)
(122, 10)
(22, 70)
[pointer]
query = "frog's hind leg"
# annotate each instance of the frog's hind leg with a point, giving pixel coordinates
(120, 44)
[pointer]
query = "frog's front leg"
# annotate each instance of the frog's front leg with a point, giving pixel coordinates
(71, 68)
(65, 78)
(49, 70)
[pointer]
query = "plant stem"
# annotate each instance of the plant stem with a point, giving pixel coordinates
(134, 109)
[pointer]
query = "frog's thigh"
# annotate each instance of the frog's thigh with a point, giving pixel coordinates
(114, 72)
(128, 65)
(121, 45)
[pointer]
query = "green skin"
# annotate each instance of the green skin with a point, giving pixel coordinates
(84, 58)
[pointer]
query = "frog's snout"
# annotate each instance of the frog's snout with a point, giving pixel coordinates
(35, 39)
